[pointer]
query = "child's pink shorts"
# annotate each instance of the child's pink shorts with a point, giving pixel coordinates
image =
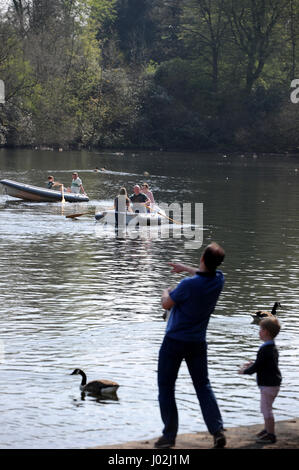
(268, 395)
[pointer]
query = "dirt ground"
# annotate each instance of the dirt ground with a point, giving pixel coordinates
(242, 437)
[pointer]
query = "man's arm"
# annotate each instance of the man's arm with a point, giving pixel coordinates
(166, 300)
(179, 268)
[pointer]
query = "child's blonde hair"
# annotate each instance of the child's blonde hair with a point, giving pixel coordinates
(272, 325)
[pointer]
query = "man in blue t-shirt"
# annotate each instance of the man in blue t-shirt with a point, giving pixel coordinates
(192, 302)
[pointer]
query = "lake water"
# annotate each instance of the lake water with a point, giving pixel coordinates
(72, 295)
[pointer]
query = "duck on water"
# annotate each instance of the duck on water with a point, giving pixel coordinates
(96, 387)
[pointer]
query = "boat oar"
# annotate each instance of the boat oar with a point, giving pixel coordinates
(163, 215)
(74, 216)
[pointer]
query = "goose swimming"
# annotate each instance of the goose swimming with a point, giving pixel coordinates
(261, 314)
(96, 387)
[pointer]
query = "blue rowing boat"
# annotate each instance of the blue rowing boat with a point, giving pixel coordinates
(29, 192)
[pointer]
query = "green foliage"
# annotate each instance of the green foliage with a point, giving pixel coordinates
(195, 74)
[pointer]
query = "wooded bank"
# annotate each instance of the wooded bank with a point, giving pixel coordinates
(180, 74)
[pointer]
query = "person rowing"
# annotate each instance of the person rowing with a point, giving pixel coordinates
(139, 200)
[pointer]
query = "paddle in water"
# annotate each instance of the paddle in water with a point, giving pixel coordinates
(74, 216)
(62, 195)
(165, 216)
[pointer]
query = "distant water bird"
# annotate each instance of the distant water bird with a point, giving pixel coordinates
(261, 314)
(96, 387)
(42, 147)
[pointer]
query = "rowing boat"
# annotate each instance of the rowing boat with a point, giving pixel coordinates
(29, 192)
(112, 217)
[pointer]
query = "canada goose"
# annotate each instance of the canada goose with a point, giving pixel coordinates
(96, 387)
(261, 314)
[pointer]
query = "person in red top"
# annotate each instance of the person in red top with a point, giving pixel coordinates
(145, 189)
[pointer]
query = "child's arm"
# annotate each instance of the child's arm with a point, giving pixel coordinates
(244, 367)
(251, 368)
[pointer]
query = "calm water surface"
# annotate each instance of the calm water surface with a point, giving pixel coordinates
(72, 295)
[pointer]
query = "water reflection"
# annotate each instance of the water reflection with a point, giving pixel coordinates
(99, 399)
(71, 298)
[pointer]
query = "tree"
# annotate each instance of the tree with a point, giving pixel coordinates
(21, 8)
(254, 25)
(136, 30)
(203, 29)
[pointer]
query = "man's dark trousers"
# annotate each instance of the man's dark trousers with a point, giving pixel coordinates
(171, 355)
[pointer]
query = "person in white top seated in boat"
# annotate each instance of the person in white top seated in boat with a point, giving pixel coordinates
(139, 200)
(76, 185)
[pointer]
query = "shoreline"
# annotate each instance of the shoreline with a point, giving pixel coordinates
(231, 151)
(240, 437)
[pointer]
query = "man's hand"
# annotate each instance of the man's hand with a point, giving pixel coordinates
(176, 267)
(179, 268)
(166, 300)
